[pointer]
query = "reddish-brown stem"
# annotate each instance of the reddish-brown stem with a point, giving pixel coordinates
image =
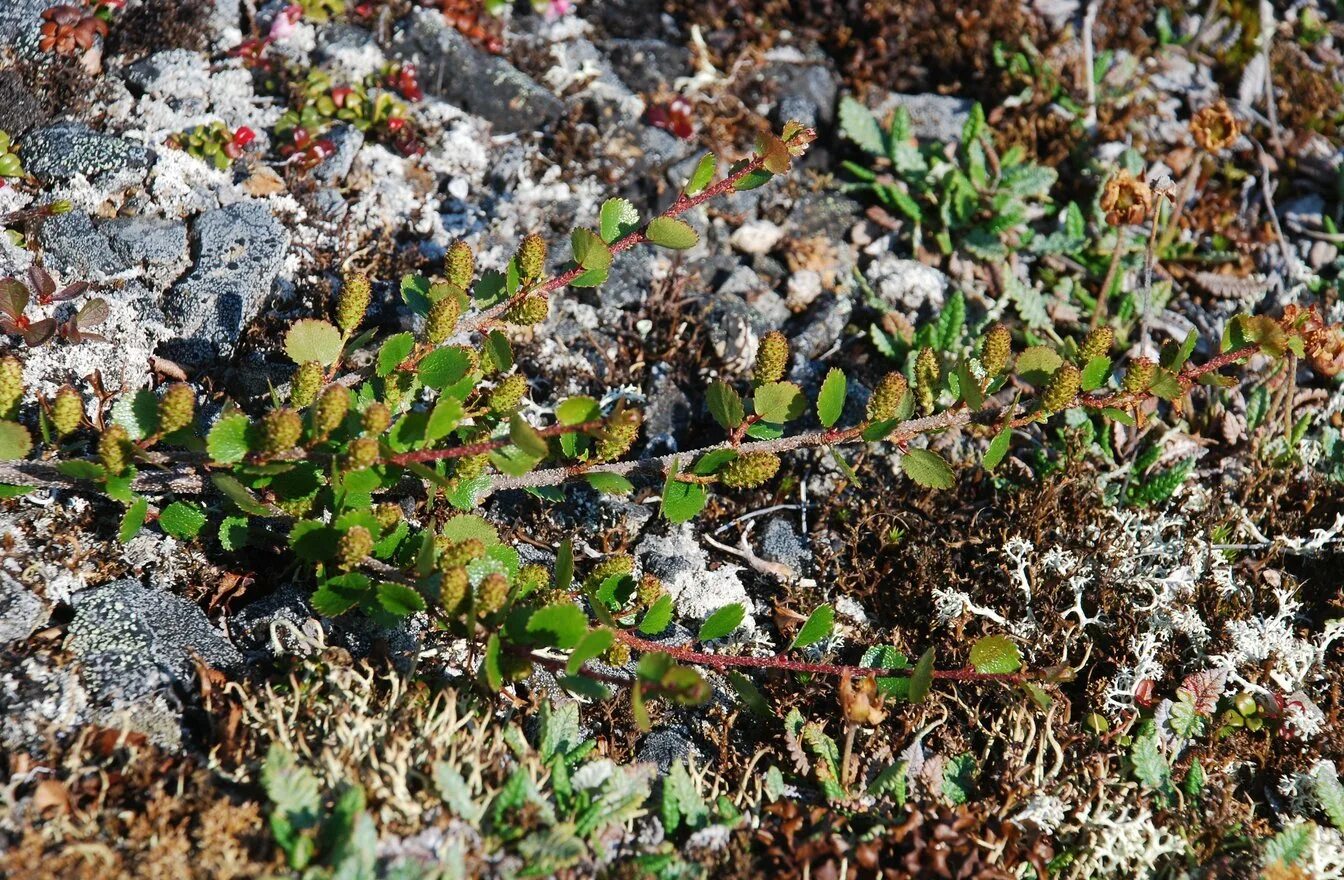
(722, 662)
(484, 446)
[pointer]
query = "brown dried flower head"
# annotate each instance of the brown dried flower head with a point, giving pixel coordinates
(1126, 199)
(861, 701)
(1215, 128)
(1322, 342)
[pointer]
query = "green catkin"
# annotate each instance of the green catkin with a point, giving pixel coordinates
(887, 396)
(506, 396)
(353, 301)
(353, 548)
(531, 310)
(532, 257)
(114, 450)
(377, 418)
(442, 319)
(280, 431)
(306, 383)
(177, 407)
(492, 593)
(11, 386)
(453, 554)
(650, 590)
(927, 377)
(67, 411)
(613, 566)
(1140, 375)
(618, 435)
(533, 579)
(469, 467)
(772, 358)
(1096, 344)
(1061, 389)
(996, 350)
(460, 265)
(388, 515)
(618, 654)
(453, 588)
(330, 409)
(362, 453)
(296, 507)
(749, 470)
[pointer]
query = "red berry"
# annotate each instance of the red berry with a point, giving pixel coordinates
(244, 136)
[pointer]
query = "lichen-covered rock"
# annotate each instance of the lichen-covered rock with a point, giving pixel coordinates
(21, 611)
(72, 246)
(66, 149)
(156, 246)
(240, 250)
(483, 84)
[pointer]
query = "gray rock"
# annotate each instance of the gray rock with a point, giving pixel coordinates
(735, 328)
(780, 542)
(932, 117)
(330, 204)
(828, 319)
(480, 83)
(807, 91)
(252, 628)
(630, 280)
(20, 109)
(346, 141)
(21, 611)
(644, 64)
(61, 151)
(163, 72)
(77, 249)
(20, 20)
(131, 640)
(668, 413)
(156, 245)
(240, 249)
(665, 747)
(908, 286)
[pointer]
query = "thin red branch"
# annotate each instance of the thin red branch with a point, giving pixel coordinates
(484, 446)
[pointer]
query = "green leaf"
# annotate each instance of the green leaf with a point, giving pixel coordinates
(443, 418)
(819, 625)
(527, 438)
(725, 404)
(182, 519)
(313, 541)
(928, 469)
(681, 500)
(497, 352)
(577, 410)
(722, 622)
(592, 645)
(490, 668)
(310, 339)
(132, 520)
(400, 599)
(996, 654)
(9, 490)
(617, 218)
(749, 694)
(15, 441)
(951, 321)
(81, 469)
(240, 495)
(831, 398)
(394, 350)
(1096, 372)
(969, 387)
(1166, 385)
(1150, 765)
(998, 448)
(703, 174)
(227, 441)
(233, 532)
(921, 678)
(670, 232)
(779, 402)
(658, 616)
(138, 413)
(590, 251)
(443, 367)
(859, 124)
(558, 626)
(1037, 364)
(591, 278)
(1118, 415)
(887, 657)
(609, 484)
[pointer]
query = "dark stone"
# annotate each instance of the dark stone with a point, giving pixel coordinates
(158, 245)
(806, 91)
(932, 117)
(21, 20)
(630, 18)
(131, 639)
(780, 542)
(644, 64)
(69, 148)
(20, 109)
(668, 413)
(665, 747)
(239, 251)
(483, 84)
(21, 611)
(77, 249)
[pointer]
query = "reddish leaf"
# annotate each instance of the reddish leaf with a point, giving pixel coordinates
(1203, 689)
(71, 292)
(42, 284)
(39, 332)
(13, 298)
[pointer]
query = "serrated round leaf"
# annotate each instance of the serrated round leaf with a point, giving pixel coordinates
(725, 404)
(233, 532)
(577, 410)
(702, 175)
(311, 339)
(831, 398)
(182, 520)
(995, 654)
(998, 448)
(443, 367)
(617, 218)
(227, 441)
(590, 251)
(400, 599)
(671, 232)
(81, 469)
(558, 626)
(15, 441)
(610, 484)
(394, 350)
(132, 520)
(819, 625)
(681, 500)
(592, 645)
(779, 402)
(138, 413)
(658, 616)
(1037, 364)
(1095, 373)
(928, 469)
(722, 622)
